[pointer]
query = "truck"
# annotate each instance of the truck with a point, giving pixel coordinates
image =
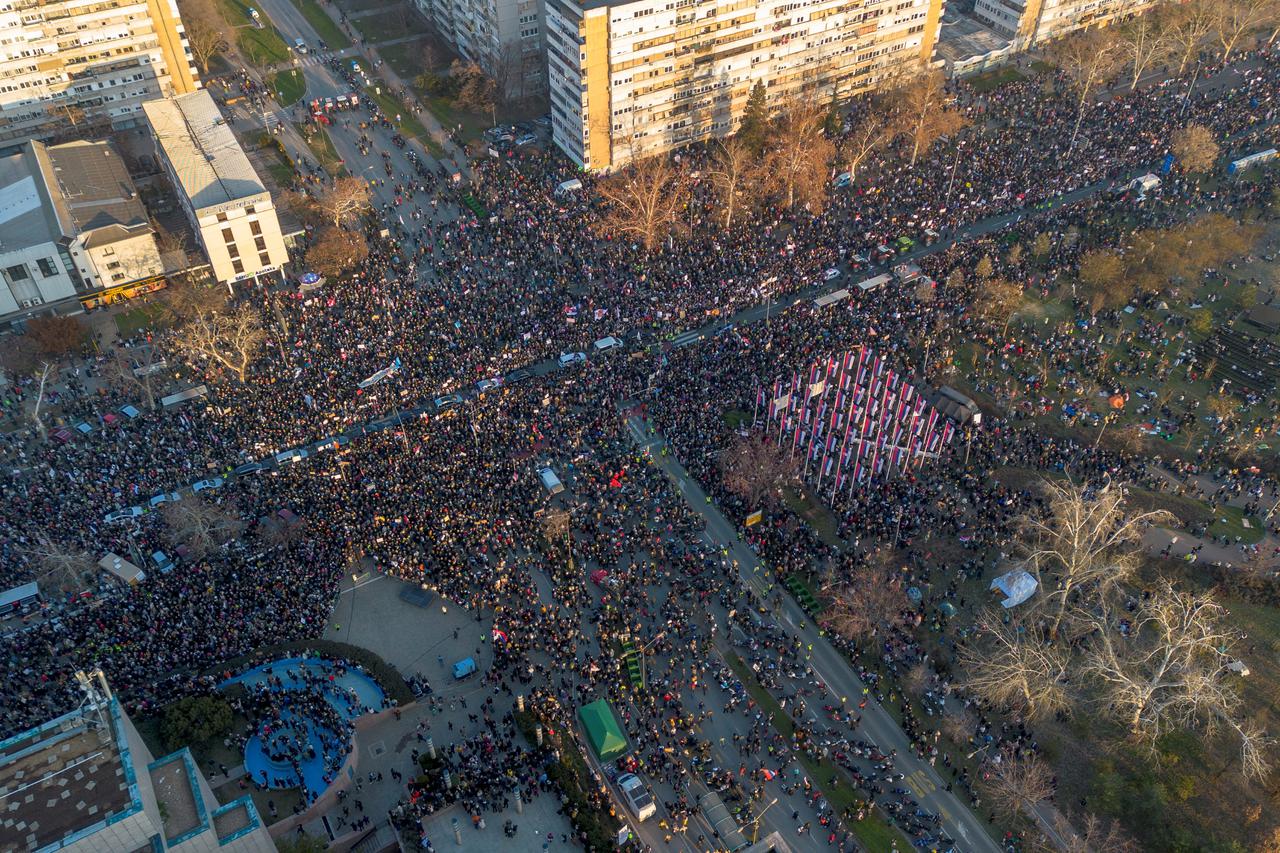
(637, 796)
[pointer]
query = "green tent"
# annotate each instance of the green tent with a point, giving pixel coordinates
(603, 732)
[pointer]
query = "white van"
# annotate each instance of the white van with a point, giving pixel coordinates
(550, 481)
(638, 798)
(606, 344)
(569, 186)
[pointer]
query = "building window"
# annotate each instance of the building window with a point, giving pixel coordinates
(222, 217)
(237, 266)
(250, 210)
(47, 267)
(233, 250)
(114, 265)
(264, 259)
(18, 272)
(227, 236)
(255, 227)
(260, 243)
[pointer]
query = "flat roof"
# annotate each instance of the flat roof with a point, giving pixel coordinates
(173, 778)
(26, 212)
(93, 186)
(19, 593)
(196, 140)
(63, 778)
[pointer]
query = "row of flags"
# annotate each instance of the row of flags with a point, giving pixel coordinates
(851, 417)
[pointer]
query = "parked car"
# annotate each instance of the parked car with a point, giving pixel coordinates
(638, 798)
(526, 139)
(518, 375)
(830, 273)
(447, 401)
(164, 498)
(570, 358)
(489, 384)
(208, 485)
(249, 468)
(297, 454)
(333, 443)
(124, 514)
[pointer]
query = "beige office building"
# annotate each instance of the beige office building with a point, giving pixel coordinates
(631, 79)
(1030, 22)
(224, 199)
(66, 65)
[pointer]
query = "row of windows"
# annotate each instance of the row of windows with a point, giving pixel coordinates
(19, 272)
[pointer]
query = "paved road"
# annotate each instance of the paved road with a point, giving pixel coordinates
(841, 683)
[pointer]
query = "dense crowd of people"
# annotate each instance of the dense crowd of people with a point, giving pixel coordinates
(450, 499)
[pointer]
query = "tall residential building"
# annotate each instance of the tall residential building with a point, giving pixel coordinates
(71, 227)
(85, 782)
(224, 199)
(1029, 22)
(634, 78)
(504, 37)
(65, 63)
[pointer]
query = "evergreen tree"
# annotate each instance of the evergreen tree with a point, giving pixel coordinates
(754, 130)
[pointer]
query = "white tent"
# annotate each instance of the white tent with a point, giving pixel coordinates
(1017, 586)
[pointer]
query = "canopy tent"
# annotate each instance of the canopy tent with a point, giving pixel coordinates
(603, 732)
(1017, 586)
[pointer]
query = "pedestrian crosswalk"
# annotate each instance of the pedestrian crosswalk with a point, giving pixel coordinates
(684, 339)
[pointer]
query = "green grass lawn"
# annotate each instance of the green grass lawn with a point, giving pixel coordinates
(130, 322)
(262, 46)
(1230, 523)
(322, 146)
(874, 832)
(288, 86)
(388, 25)
(328, 30)
(989, 80)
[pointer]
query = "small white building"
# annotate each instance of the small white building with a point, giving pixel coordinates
(223, 197)
(36, 268)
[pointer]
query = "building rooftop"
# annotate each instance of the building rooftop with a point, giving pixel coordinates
(173, 778)
(61, 779)
(26, 212)
(963, 37)
(93, 189)
(205, 155)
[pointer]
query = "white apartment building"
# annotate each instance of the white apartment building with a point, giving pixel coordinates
(634, 78)
(1030, 22)
(221, 194)
(65, 62)
(504, 37)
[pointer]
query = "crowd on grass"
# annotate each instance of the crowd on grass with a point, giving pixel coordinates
(451, 499)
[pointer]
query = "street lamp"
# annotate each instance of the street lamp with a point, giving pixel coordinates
(755, 824)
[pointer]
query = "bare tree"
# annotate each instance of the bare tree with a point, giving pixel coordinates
(1017, 784)
(1165, 666)
(205, 29)
(735, 176)
(1190, 27)
(1094, 835)
(337, 250)
(1196, 148)
(924, 112)
(1102, 273)
(868, 602)
(185, 300)
(120, 371)
(67, 567)
(643, 201)
(1234, 20)
(232, 340)
(1087, 539)
(796, 162)
(998, 300)
(869, 134)
(1086, 59)
(347, 199)
(1144, 42)
(57, 334)
(755, 469)
(1011, 668)
(201, 526)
